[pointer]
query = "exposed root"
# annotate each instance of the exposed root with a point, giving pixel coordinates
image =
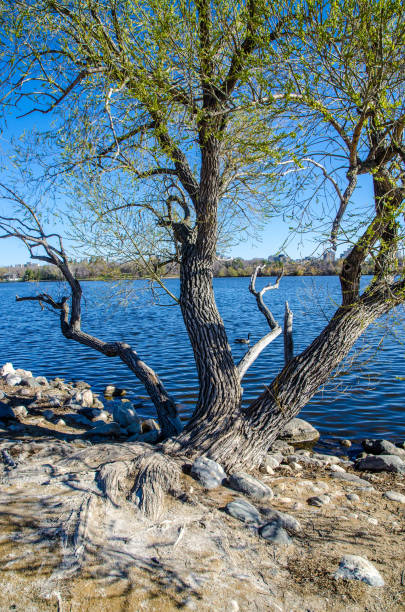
(157, 475)
(111, 479)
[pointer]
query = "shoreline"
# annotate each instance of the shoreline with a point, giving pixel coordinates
(67, 541)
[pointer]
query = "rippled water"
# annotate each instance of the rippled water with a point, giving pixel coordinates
(366, 400)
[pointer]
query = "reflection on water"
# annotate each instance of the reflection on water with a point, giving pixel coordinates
(364, 400)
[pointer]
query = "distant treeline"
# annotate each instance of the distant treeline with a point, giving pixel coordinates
(96, 268)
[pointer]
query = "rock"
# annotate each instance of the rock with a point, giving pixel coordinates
(23, 373)
(270, 462)
(7, 459)
(319, 500)
(7, 368)
(113, 391)
(149, 425)
(135, 428)
(105, 429)
(372, 520)
(243, 511)
(327, 459)
(126, 416)
(48, 414)
(60, 422)
(78, 419)
(353, 497)
(84, 398)
(97, 404)
(296, 466)
(282, 518)
(298, 431)
(337, 468)
(382, 447)
(20, 412)
(352, 478)
(41, 380)
(54, 401)
(303, 459)
(352, 567)
(29, 382)
(381, 463)
(151, 437)
(274, 533)
(208, 472)
(282, 447)
(12, 380)
(100, 415)
(250, 486)
(394, 496)
(81, 384)
(346, 443)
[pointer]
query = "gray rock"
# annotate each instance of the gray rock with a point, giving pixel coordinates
(352, 478)
(243, 511)
(125, 415)
(382, 447)
(394, 496)
(149, 425)
(274, 533)
(7, 368)
(48, 414)
(352, 567)
(100, 415)
(353, 497)
(282, 447)
(60, 422)
(381, 463)
(54, 401)
(327, 459)
(250, 486)
(29, 382)
(337, 468)
(41, 380)
(12, 380)
(112, 390)
(346, 443)
(2, 394)
(319, 500)
(271, 462)
(135, 428)
(298, 431)
(304, 460)
(78, 419)
(7, 459)
(208, 472)
(84, 398)
(23, 373)
(151, 437)
(20, 411)
(105, 429)
(97, 403)
(282, 518)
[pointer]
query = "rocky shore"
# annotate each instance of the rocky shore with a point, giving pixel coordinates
(308, 531)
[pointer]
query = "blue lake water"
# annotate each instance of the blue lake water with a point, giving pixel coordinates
(367, 400)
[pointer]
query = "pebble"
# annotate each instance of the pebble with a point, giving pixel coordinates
(243, 511)
(60, 422)
(285, 520)
(395, 496)
(250, 486)
(352, 567)
(41, 380)
(208, 472)
(353, 497)
(20, 411)
(274, 533)
(372, 520)
(346, 443)
(296, 466)
(149, 425)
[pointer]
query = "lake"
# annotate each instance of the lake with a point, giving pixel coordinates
(366, 400)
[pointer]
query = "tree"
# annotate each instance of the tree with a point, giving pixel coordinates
(213, 107)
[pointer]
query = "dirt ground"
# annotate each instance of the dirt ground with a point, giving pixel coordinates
(194, 556)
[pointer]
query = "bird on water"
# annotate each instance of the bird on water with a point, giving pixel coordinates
(243, 340)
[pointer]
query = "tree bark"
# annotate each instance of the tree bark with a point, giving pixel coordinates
(242, 438)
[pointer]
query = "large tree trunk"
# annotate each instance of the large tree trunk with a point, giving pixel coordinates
(242, 437)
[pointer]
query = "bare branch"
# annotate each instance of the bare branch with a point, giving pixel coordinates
(288, 337)
(253, 353)
(259, 296)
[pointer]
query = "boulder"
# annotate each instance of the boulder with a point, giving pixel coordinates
(250, 486)
(352, 567)
(381, 463)
(125, 415)
(282, 518)
(84, 398)
(29, 381)
(208, 472)
(382, 447)
(353, 479)
(394, 496)
(12, 380)
(23, 373)
(274, 533)
(41, 380)
(298, 431)
(7, 368)
(243, 511)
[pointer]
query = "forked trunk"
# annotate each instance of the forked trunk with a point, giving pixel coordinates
(240, 438)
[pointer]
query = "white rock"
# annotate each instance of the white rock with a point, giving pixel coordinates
(394, 496)
(12, 380)
(298, 430)
(337, 468)
(295, 466)
(84, 398)
(352, 567)
(23, 373)
(372, 520)
(7, 368)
